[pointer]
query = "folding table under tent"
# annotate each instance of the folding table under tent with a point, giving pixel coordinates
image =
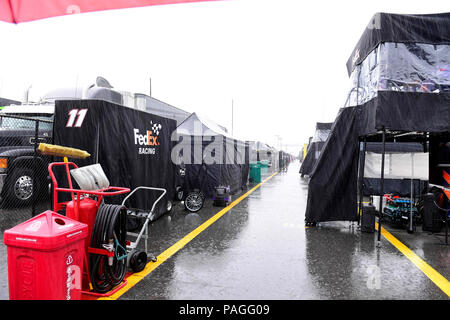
(400, 74)
(315, 146)
(211, 156)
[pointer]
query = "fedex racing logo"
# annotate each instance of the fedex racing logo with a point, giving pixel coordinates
(149, 139)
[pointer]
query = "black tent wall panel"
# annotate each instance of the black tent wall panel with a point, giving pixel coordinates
(398, 187)
(108, 132)
(230, 172)
(332, 188)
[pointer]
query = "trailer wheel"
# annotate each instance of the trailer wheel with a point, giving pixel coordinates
(194, 201)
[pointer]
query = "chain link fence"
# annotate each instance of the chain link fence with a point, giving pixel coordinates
(25, 188)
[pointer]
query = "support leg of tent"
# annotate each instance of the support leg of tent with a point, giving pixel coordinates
(446, 228)
(380, 216)
(361, 180)
(411, 213)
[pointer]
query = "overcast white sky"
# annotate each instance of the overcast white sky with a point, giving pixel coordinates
(282, 62)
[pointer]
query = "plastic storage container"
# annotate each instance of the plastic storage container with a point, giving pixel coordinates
(45, 258)
(255, 173)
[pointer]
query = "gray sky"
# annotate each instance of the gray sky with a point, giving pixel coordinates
(282, 62)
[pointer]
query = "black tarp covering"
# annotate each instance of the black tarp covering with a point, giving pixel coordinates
(311, 157)
(399, 187)
(439, 158)
(315, 146)
(206, 177)
(398, 147)
(387, 27)
(230, 168)
(332, 188)
(409, 111)
(110, 132)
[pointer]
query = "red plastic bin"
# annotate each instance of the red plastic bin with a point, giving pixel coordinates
(45, 258)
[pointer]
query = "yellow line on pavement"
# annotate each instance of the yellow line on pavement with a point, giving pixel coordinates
(432, 274)
(136, 277)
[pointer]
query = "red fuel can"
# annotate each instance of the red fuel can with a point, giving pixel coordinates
(45, 258)
(87, 212)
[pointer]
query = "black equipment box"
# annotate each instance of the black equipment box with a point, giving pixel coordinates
(432, 220)
(368, 219)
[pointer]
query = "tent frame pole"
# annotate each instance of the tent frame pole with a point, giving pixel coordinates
(411, 215)
(380, 216)
(361, 179)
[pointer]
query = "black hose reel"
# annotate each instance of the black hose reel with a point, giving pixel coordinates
(109, 233)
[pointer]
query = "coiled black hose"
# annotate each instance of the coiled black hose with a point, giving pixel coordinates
(109, 228)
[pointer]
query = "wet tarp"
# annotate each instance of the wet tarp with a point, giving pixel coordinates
(211, 156)
(400, 28)
(332, 188)
(315, 147)
(132, 146)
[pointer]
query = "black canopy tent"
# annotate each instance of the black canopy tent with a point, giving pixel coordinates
(211, 157)
(401, 92)
(315, 146)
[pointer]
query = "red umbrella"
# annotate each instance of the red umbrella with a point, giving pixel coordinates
(17, 11)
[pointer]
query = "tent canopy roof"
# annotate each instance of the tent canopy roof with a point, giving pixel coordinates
(324, 125)
(196, 125)
(388, 27)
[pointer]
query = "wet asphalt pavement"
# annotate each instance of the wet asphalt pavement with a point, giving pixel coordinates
(260, 249)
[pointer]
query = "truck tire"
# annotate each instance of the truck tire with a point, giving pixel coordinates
(20, 187)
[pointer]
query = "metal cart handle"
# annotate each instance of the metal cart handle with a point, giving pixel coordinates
(164, 191)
